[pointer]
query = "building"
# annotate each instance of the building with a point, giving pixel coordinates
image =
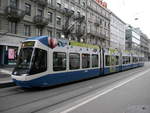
(149, 49)
(132, 39)
(117, 32)
(144, 45)
(98, 24)
(80, 20)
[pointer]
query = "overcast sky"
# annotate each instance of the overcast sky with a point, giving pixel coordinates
(128, 10)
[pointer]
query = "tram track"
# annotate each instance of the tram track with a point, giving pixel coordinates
(10, 91)
(82, 90)
(91, 89)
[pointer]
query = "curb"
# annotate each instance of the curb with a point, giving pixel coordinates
(5, 84)
(5, 71)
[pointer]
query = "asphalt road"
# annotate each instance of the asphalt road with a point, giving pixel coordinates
(117, 93)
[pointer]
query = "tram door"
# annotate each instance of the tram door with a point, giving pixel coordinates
(1, 53)
(102, 61)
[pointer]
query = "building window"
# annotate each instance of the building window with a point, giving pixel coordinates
(72, 11)
(0, 24)
(0, 3)
(107, 60)
(28, 9)
(101, 21)
(13, 27)
(78, 1)
(74, 61)
(59, 61)
(83, 4)
(40, 12)
(58, 34)
(11, 55)
(58, 5)
(50, 1)
(14, 3)
(85, 60)
(27, 30)
(105, 24)
(50, 33)
(58, 20)
(50, 16)
(78, 13)
(40, 31)
(95, 61)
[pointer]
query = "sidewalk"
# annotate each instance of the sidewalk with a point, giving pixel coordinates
(5, 77)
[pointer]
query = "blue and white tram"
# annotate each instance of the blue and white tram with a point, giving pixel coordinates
(45, 61)
(111, 61)
(135, 60)
(141, 60)
(126, 60)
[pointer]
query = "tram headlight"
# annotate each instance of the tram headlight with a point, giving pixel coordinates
(24, 74)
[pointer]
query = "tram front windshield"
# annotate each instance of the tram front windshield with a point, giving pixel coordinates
(24, 60)
(29, 61)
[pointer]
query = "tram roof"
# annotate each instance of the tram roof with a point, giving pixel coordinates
(44, 40)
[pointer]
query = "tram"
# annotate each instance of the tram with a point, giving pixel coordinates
(45, 61)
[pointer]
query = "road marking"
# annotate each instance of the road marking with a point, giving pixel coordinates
(91, 98)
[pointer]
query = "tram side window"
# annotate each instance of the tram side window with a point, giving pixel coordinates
(124, 60)
(117, 60)
(59, 61)
(129, 60)
(74, 61)
(140, 59)
(85, 60)
(95, 60)
(39, 62)
(107, 60)
(135, 59)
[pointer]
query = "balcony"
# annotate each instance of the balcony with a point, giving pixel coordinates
(51, 6)
(14, 14)
(97, 23)
(79, 18)
(60, 9)
(40, 21)
(68, 12)
(80, 32)
(97, 34)
(42, 2)
(93, 33)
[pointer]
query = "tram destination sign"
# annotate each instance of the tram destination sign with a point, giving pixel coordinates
(28, 44)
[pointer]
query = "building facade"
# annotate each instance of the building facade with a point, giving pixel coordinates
(80, 20)
(144, 45)
(98, 24)
(117, 32)
(133, 39)
(149, 49)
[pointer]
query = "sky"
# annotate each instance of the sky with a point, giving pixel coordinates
(128, 10)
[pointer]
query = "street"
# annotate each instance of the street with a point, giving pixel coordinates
(124, 92)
